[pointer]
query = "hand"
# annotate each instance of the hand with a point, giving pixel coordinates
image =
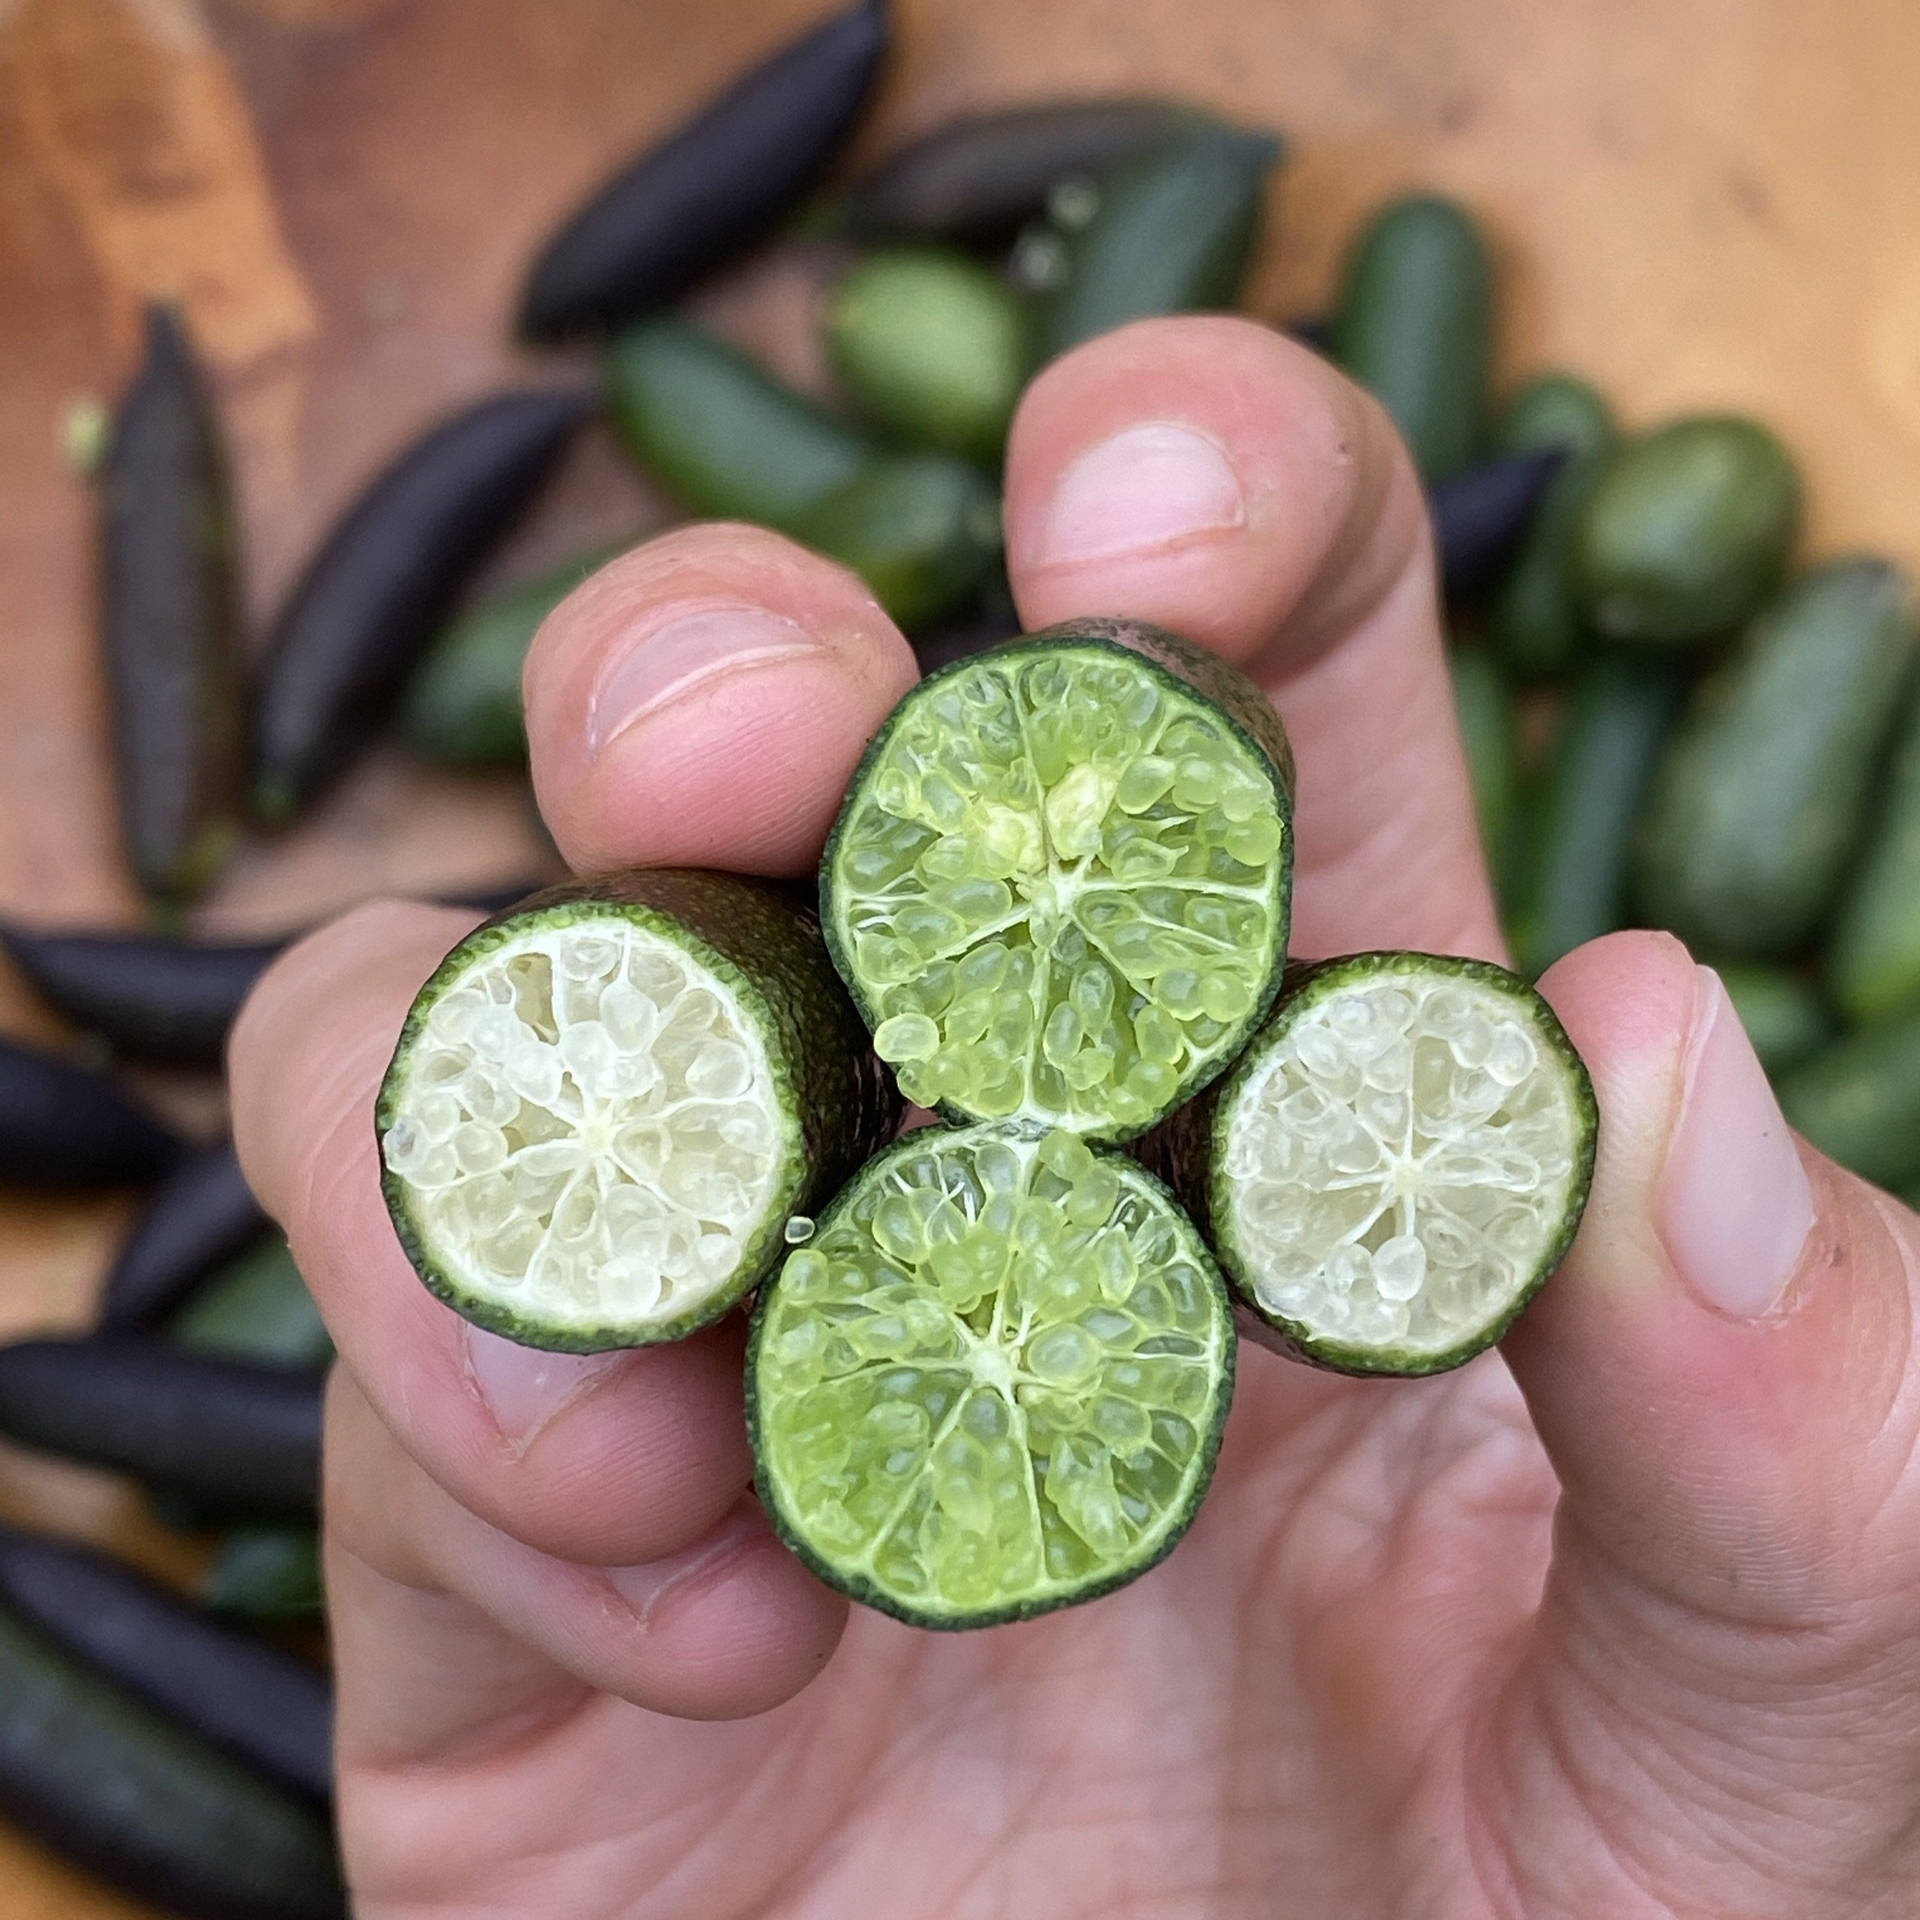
(1618, 1624)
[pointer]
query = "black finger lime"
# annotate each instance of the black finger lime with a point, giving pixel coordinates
(1059, 884)
(993, 1382)
(607, 1106)
(978, 178)
(171, 626)
(1396, 1164)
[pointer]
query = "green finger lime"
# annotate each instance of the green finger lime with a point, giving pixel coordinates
(1059, 885)
(993, 1382)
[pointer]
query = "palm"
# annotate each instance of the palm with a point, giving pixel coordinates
(1253, 1716)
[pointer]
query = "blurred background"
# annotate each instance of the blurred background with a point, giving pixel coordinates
(1698, 208)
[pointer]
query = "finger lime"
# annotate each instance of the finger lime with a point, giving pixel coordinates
(606, 1106)
(993, 1382)
(1396, 1164)
(1059, 884)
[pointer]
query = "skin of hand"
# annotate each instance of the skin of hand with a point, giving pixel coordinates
(1617, 1622)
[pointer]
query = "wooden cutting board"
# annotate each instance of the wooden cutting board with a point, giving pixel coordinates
(1698, 206)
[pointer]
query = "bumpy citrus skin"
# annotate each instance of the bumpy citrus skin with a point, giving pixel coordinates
(818, 1099)
(1396, 1164)
(993, 1383)
(1059, 885)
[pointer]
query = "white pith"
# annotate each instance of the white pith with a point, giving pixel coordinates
(1400, 1162)
(588, 1128)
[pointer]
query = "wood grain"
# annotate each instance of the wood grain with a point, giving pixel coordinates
(1698, 206)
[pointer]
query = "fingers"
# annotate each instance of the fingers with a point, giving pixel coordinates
(1212, 476)
(447, 1625)
(702, 701)
(612, 1459)
(1722, 1373)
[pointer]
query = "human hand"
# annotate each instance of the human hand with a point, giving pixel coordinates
(1620, 1629)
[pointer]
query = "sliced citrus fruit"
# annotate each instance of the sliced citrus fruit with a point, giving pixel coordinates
(993, 1382)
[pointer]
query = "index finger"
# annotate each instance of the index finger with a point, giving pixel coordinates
(702, 701)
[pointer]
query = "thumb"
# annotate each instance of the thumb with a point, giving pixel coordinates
(1723, 1375)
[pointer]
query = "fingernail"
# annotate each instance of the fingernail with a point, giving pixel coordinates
(646, 1588)
(667, 662)
(1735, 1207)
(1152, 486)
(522, 1387)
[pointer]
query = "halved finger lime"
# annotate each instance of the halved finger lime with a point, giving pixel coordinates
(606, 1105)
(993, 1383)
(1059, 884)
(1398, 1161)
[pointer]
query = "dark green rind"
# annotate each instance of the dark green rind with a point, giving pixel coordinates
(932, 346)
(921, 529)
(1762, 793)
(864, 1591)
(1568, 882)
(462, 706)
(1873, 956)
(1784, 1016)
(1173, 233)
(1188, 1152)
(1534, 620)
(155, 1810)
(1686, 531)
(1414, 326)
(1197, 673)
(838, 1104)
(1858, 1101)
(725, 438)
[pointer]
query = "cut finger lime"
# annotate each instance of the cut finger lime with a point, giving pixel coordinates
(993, 1382)
(607, 1104)
(1059, 884)
(1396, 1164)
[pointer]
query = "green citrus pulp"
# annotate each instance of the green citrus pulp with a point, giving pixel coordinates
(1059, 886)
(993, 1382)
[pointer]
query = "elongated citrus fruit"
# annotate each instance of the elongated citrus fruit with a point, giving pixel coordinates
(1059, 885)
(1396, 1164)
(607, 1105)
(993, 1382)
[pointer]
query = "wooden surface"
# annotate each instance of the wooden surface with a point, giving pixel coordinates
(1700, 205)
